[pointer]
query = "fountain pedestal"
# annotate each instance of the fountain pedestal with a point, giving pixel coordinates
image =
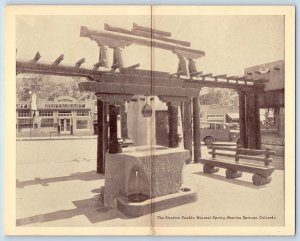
(145, 178)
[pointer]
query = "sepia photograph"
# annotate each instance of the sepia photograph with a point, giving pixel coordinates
(150, 120)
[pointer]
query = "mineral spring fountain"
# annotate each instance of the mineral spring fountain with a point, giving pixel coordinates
(143, 178)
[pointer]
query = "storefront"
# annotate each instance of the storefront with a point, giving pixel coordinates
(273, 95)
(63, 116)
(216, 113)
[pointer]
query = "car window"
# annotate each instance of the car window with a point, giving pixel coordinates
(212, 126)
(219, 127)
(204, 126)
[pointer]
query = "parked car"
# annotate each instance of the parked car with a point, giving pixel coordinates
(215, 131)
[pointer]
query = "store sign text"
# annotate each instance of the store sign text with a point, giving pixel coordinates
(64, 106)
(22, 106)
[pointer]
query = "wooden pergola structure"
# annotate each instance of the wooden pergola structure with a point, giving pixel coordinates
(113, 87)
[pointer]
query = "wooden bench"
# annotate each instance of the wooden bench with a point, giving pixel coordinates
(240, 160)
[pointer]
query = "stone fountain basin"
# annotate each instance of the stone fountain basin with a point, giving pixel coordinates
(142, 150)
(159, 172)
(136, 209)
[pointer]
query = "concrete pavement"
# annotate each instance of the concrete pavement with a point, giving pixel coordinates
(57, 186)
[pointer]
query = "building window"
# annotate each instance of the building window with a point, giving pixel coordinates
(47, 122)
(46, 113)
(83, 113)
(65, 113)
(23, 113)
(24, 123)
(82, 124)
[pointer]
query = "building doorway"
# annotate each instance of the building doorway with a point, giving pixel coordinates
(65, 126)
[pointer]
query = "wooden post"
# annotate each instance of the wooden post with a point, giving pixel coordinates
(103, 56)
(268, 159)
(173, 125)
(124, 132)
(242, 115)
(102, 136)
(187, 127)
(114, 143)
(196, 129)
(250, 120)
(213, 153)
(237, 159)
(117, 59)
(257, 122)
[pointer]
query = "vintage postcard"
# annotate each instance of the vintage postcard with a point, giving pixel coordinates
(150, 120)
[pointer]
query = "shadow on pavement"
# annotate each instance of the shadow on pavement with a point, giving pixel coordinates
(232, 181)
(90, 208)
(83, 176)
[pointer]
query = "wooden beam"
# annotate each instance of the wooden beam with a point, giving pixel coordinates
(196, 129)
(103, 56)
(61, 70)
(58, 60)
(177, 73)
(150, 30)
(133, 66)
(213, 84)
(101, 138)
(242, 119)
(145, 34)
(116, 40)
(96, 66)
(187, 127)
(196, 74)
(257, 132)
(131, 77)
(161, 38)
(231, 77)
(261, 81)
(206, 75)
(251, 120)
(220, 76)
(114, 144)
(173, 125)
(79, 63)
(36, 58)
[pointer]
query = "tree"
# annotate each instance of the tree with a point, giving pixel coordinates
(221, 97)
(49, 87)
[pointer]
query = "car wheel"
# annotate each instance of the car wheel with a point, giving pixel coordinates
(208, 140)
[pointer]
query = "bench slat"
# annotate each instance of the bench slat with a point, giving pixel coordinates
(243, 167)
(245, 151)
(221, 148)
(256, 152)
(255, 158)
(223, 154)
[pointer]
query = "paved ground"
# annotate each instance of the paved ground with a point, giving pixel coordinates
(57, 186)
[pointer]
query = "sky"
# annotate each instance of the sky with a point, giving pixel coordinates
(231, 43)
